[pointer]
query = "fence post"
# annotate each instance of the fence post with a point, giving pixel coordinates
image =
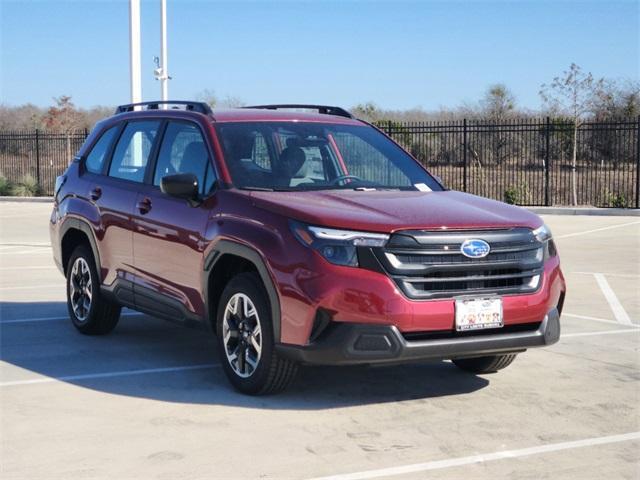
(464, 157)
(547, 166)
(638, 164)
(38, 156)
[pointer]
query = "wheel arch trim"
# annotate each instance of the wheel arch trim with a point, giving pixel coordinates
(74, 223)
(231, 247)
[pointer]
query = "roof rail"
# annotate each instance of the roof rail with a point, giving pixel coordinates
(323, 109)
(200, 107)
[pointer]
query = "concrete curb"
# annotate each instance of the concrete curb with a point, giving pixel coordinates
(27, 199)
(609, 212)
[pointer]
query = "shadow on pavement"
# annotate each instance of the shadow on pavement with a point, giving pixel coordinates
(56, 349)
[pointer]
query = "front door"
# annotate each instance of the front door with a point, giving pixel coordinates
(168, 239)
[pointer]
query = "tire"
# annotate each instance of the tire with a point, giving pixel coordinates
(489, 364)
(245, 339)
(90, 314)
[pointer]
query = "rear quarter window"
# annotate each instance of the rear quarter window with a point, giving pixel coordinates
(96, 157)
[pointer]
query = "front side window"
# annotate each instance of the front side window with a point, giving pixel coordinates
(183, 151)
(95, 160)
(317, 156)
(132, 152)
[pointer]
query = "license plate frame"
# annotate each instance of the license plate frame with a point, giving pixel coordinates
(478, 313)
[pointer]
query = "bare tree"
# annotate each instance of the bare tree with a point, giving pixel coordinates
(231, 101)
(367, 111)
(617, 100)
(572, 94)
(208, 96)
(498, 102)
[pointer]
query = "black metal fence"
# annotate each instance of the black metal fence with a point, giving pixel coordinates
(528, 162)
(37, 154)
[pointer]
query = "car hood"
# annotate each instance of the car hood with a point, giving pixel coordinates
(388, 211)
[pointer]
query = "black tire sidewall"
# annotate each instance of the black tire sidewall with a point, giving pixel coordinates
(487, 364)
(250, 285)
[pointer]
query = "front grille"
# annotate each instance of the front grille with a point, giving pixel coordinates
(428, 265)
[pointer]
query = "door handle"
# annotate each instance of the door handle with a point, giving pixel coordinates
(144, 206)
(96, 193)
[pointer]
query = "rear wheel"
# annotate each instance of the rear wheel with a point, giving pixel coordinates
(245, 339)
(488, 364)
(90, 312)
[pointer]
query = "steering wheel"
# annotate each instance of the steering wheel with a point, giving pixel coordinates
(342, 178)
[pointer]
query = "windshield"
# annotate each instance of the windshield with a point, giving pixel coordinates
(295, 156)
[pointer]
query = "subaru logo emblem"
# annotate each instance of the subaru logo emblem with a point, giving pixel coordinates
(475, 248)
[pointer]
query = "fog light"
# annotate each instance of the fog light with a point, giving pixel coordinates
(533, 283)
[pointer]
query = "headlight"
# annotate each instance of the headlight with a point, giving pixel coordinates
(60, 180)
(542, 234)
(337, 246)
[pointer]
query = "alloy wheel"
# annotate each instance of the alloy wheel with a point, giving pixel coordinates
(242, 335)
(80, 289)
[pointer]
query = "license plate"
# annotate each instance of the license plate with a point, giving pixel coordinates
(478, 313)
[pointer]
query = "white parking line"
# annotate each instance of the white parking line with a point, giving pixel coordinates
(608, 274)
(25, 252)
(616, 307)
(32, 287)
(32, 267)
(123, 373)
(602, 332)
(595, 319)
(486, 457)
(25, 244)
(53, 319)
(575, 234)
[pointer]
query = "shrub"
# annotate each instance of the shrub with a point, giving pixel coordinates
(612, 199)
(27, 187)
(511, 196)
(518, 195)
(5, 186)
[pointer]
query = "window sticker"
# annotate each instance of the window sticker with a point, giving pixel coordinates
(422, 187)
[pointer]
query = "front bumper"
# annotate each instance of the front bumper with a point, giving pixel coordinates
(353, 343)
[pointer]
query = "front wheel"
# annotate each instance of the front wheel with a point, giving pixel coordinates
(245, 339)
(489, 364)
(90, 312)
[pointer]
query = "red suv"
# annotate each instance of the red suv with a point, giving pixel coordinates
(299, 238)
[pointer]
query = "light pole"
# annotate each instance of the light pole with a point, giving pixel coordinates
(134, 51)
(161, 71)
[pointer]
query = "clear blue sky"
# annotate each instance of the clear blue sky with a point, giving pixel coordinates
(397, 54)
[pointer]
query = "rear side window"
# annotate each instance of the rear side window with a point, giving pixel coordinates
(95, 159)
(133, 149)
(183, 151)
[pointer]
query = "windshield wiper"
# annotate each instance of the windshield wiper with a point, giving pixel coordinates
(257, 189)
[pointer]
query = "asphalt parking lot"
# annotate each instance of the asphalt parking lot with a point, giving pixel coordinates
(150, 401)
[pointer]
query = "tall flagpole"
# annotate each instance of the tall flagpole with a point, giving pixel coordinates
(164, 77)
(134, 51)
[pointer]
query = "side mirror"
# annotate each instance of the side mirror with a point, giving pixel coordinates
(182, 185)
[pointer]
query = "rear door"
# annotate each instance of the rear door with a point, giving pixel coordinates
(168, 240)
(112, 190)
